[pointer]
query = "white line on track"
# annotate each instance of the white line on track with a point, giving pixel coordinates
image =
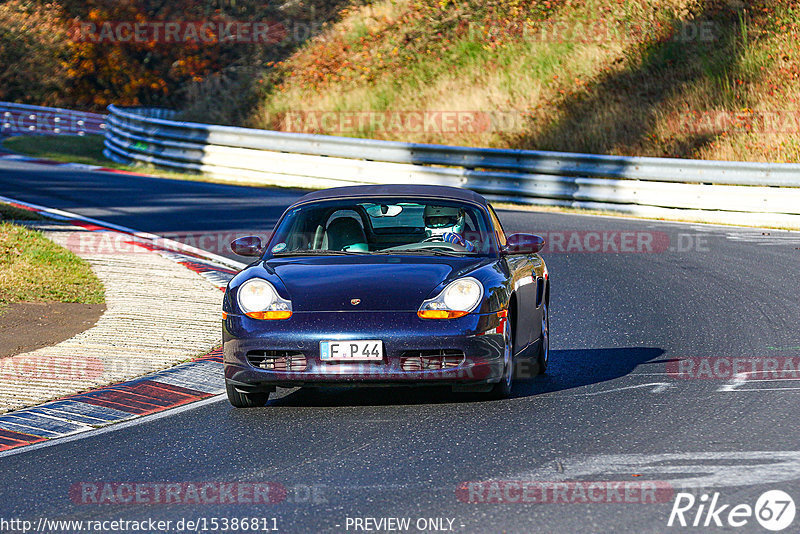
(741, 379)
(658, 387)
(760, 389)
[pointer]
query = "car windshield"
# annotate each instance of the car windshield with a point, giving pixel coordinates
(384, 226)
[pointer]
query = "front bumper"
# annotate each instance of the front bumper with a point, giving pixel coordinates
(479, 337)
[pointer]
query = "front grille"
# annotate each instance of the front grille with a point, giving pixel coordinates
(431, 360)
(278, 360)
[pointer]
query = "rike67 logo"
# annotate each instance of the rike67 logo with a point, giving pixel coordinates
(774, 510)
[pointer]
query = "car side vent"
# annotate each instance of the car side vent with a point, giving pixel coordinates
(278, 360)
(431, 360)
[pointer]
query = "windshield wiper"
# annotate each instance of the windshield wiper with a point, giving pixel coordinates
(423, 252)
(320, 253)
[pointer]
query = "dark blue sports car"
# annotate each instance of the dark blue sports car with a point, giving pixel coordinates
(386, 285)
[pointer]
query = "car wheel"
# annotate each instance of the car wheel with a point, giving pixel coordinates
(543, 358)
(502, 389)
(245, 400)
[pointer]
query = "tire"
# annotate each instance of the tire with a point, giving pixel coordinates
(502, 390)
(543, 357)
(245, 400)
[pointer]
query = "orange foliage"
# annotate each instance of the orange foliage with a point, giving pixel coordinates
(75, 53)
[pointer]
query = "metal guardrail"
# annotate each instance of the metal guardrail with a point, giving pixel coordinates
(37, 120)
(713, 191)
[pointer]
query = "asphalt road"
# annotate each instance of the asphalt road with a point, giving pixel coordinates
(611, 407)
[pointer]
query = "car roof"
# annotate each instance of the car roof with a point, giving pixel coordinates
(394, 190)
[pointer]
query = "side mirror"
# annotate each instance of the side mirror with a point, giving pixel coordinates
(247, 246)
(523, 244)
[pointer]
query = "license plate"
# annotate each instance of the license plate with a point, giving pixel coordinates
(351, 351)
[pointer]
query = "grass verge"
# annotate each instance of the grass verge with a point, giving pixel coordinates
(10, 213)
(34, 269)
(86, 149)
(700, 79)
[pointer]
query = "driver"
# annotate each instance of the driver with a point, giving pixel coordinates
(446, 223)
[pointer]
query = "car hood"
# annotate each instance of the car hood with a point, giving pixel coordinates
(379, 283)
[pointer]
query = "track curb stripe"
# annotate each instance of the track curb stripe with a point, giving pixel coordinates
(201, 260)
(152, 393)
(10, 439)
(156, 392)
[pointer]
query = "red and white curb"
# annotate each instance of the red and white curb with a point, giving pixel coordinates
(152, 393)
(217, 269)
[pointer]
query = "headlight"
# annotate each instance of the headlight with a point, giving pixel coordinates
(456, 300)
(258, 299)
